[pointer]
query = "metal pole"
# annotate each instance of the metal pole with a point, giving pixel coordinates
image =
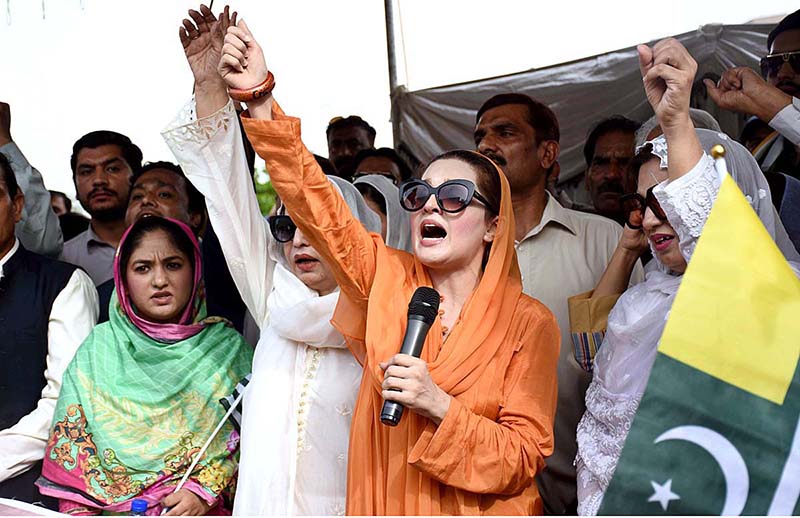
(392, 59)
(394, 88)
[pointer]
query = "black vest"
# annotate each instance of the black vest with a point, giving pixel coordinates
(30, 284)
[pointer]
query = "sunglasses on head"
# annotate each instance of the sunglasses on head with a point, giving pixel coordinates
(634, 206)
(282, 228)
(771, 64)
(451, 196)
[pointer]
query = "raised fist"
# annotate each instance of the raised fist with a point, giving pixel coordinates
(668, 72)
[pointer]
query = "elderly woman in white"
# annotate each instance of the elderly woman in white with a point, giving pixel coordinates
(298, 403)
(677, 187)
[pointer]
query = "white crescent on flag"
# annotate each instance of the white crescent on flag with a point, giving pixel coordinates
(734, 469)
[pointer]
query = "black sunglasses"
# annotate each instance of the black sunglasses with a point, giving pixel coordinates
(282, 228)
(634, 205)
(771, 64)
(451, 196)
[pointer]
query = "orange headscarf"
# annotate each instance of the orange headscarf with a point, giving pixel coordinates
(377, 450)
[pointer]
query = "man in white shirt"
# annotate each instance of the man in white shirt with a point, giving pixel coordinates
(773, 99)
(561, 252)
(47, 308)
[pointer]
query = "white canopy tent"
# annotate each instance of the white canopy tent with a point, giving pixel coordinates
(581, 93)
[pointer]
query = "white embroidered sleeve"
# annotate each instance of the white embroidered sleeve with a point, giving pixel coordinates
(211, 153)
(600, 435)
(687, 202)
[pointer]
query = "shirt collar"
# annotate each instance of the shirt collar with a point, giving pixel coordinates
(93, 239)
(8, 256)
(554, 213)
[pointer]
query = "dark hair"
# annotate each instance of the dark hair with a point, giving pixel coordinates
(349, 121)
(67, 201)
(72, 224)
(789, 22)
(541, 118)
(8, 177)
(326, 165)
(130, 151)
(384, 152)
(613, 124)
(488, 177)
(369, 192)
(197, 202)
(148, 225)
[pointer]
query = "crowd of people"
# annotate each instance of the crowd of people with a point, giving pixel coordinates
(181, 349)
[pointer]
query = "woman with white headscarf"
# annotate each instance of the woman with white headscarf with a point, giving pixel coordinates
(383, 197)
(298, 403)
(677, 187)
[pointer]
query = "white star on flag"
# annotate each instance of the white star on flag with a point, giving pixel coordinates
(663, 493)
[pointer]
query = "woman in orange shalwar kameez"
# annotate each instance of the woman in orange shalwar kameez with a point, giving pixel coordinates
(481, 399)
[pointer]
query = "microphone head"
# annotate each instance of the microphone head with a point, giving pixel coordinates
(424, 304)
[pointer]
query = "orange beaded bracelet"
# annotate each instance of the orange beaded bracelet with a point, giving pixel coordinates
(252, 94)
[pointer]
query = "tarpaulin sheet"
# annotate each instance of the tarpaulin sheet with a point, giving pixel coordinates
(581, 93)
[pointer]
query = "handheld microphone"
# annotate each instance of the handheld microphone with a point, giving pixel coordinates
(422, 311)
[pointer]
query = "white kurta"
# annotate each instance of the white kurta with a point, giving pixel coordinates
(298, 404)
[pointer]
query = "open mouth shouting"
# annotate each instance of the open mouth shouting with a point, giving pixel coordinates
(431, 233)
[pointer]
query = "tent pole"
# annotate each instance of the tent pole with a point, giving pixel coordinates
(392, 61)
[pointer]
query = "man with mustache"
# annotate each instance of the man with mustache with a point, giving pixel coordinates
(773, 99)
(608, 149)
(103, 163)
(561, 253)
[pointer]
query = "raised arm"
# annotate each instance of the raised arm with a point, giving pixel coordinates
(668, 71)
(311, 200)
(207, 142)
(39, 230)
(742, 90)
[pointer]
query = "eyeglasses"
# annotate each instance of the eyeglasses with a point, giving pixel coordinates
(282, 228)
(634, 206)
(451, 196)
(771, 64)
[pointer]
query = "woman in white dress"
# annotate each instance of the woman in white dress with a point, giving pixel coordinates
(299, 401)
(677, 187)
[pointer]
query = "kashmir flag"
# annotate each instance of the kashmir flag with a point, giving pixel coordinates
(717, 431)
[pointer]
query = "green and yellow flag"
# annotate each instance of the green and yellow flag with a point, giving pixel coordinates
(718, 428)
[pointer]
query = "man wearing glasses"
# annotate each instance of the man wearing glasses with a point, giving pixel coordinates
(773, 99)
